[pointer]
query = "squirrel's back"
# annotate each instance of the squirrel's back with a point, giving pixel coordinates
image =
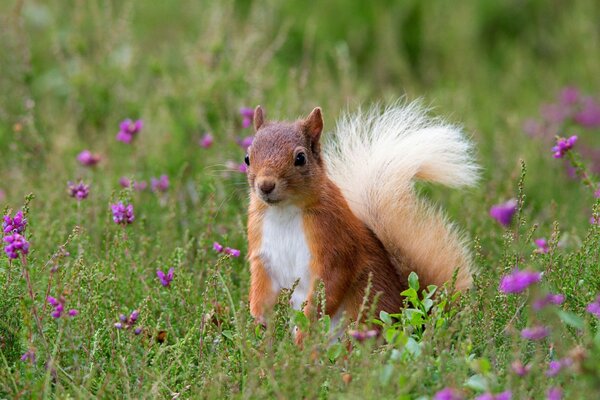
(374, 156)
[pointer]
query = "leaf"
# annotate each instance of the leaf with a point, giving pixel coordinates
(386, 374)
(427, 303)
(571, 319)
(412, 347)
(326, 319)
(410, 293)
(385, 317)
(301, 320)
(477, 383)
(228, 334)
(334, 351)
(413, 281)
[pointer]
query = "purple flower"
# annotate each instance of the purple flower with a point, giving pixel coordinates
(597, 193)
(217, 247)
(518, 281)
(594, 220)
(361, 336)
(554, 393)
(15, 244)
(87, 158)
(507, 395)
(520, 369)
(79, 190)
(245, 142)
(504, 212)
(594, 307)
(137, 331)
(127, 322)
(231, 252)
(247, 116)
(563, 146)
(124, 182)
(59, 307)
(122, 318)
(538, 332)
(29, 355)
(134, 316)
(556, 299)
(569, 96)
(16, 224)
(554, 368)
(160, 184)
(206, 141)
(128, 130)
(589, 116)
(448, 394)
(165, 279)
(119, 325)
(140, 186)
(122, 214)
(542, 246)
(73, 312)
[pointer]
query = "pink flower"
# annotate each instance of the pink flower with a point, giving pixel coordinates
(247, 116)
(569, 96)
(589, 116)
(87, 158)
(217, 247)
(563, 146)
(361, 336)
(128, 130)
(206, 141)
(448, 394)
(165, 279)
(519, 281)
(231, 252)
(245, 142)
(542, 246)
(504, 212)
(554, 393)
(538, 332)
(160, 184)
(520, 369)
(556, 299)
(594, 307)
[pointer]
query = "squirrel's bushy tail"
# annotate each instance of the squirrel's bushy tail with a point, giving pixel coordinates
(375, 156)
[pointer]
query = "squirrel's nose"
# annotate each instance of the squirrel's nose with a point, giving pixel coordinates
(266, 186)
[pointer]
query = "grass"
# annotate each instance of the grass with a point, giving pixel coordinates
(71, 71)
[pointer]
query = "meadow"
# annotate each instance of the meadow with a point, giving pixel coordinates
(84, 312)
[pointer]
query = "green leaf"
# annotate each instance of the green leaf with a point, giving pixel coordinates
(427, 303)
(413, 281)
(477, 383)
(571, 319)
(410, 293)
(228, 334)
(301, 320)
(385, 317)
(386, 374)
(334, 351)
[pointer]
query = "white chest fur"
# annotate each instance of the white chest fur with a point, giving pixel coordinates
(284, 251)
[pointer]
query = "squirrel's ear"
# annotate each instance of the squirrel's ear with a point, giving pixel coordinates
(313, 124)
(259, 118)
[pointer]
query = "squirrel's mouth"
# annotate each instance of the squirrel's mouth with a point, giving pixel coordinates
(271, 201)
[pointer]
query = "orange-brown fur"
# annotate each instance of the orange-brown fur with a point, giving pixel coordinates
(344, 252)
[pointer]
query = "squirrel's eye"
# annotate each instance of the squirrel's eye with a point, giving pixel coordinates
(300, 159)
(247, 160)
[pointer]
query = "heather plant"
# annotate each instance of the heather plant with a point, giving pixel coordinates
(131, 281)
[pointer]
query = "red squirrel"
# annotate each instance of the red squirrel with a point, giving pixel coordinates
(347, 210)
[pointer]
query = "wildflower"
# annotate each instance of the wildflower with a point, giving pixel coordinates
(206, 141)
(59, 307)
(594, 307)
(554, 393)
(594, 220)
(29, 355)
(556, 299)
(124, 182)
(140, 186)
(160, 184)
(16, 224)
(536, 333)
(217, 247)
(73, 312)
(361, 336)
(519, 281)
(122, 214)
(520, 369)
(247, 116)
(569, 96)
(589, 116)
(542, 246)
(137, 331)
(554, 113)
(79, 190)
(448, 394)
(16, 244)
(128, 130)
(563, 146)
(554, 367)
(231, 252)
(165, 279)
(87, 158)
(507, 395)
(127, 322)
(245, 142)
(597, 193)
(504, 212)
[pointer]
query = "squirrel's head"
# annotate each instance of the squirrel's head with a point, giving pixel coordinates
(284, 160)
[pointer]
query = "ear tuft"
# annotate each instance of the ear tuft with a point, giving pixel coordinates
(258, 118)
(313, 124)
